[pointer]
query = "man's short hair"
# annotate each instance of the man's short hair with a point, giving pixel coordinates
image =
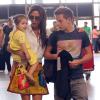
(65, 11)
(86, 22)
(95, 27)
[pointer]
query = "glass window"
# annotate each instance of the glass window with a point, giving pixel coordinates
(96, 9)
(51, 1)
(19, 1)
(31, 1)
(66, 1)
(96, 0)
(4, 2)
(81, 23)
(78, 1)
(97, 22)
(97, 14)
(23, 1)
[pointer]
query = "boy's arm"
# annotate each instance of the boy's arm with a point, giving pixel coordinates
(48, 54)
(84, 59)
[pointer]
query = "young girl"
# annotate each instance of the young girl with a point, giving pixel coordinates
(18, 42)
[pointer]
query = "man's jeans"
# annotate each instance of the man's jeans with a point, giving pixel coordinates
(78, 90)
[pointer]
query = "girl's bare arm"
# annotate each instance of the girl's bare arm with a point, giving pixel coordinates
(25, 51)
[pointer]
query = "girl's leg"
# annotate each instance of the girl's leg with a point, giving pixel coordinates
(36, 97)
(13, 69)
(25, 97)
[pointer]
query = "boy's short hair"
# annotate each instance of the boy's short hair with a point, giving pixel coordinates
(65, 11)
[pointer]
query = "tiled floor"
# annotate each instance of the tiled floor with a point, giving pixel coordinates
(93, 85)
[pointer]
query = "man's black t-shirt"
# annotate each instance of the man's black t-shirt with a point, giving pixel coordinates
(72, 42)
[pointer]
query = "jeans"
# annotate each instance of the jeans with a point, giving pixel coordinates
(78, 90)
(95, 44)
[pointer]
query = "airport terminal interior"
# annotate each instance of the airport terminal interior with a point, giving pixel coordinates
(84, 11)
(93, 85)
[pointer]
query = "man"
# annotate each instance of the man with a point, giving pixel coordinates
(69, 39)
(7, 29)
(87, 29)
(2, 64)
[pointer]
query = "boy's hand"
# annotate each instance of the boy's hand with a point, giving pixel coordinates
(80, 30)
(74, 63)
